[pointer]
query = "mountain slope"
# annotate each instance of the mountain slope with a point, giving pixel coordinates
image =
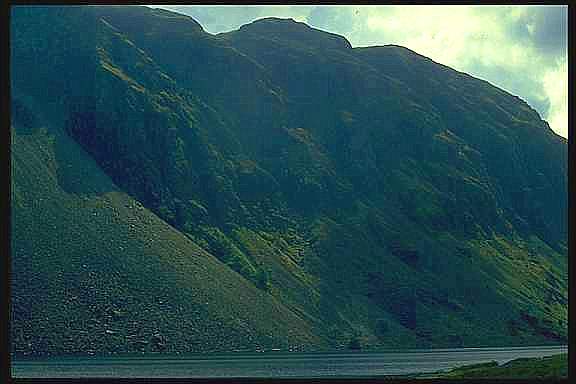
(310, 192)
(95, 271)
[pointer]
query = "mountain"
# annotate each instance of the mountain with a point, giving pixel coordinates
(270, 187)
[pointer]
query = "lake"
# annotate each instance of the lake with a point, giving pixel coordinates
(273, 364)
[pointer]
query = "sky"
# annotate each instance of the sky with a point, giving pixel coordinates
(521, 49)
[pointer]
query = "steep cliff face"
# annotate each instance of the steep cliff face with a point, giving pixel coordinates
(324, 193)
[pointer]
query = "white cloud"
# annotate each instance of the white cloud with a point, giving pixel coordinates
(556, 90)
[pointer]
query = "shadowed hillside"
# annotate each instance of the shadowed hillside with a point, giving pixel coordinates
(271, 187)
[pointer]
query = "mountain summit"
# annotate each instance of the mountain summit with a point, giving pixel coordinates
(292, 31)
(270, 187)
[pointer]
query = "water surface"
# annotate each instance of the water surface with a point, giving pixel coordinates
(273, 364)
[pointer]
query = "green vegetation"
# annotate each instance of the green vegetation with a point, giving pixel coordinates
(551, 367)
(178, 191)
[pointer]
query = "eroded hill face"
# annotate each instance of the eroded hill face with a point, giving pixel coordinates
(324, 193)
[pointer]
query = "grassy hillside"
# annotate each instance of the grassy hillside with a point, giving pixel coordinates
(96, 272)
(175, 190)
(550, 367)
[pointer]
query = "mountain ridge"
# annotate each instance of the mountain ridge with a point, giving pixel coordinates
(336, 195)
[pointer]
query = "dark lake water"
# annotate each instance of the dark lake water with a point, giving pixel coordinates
(273, 364)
